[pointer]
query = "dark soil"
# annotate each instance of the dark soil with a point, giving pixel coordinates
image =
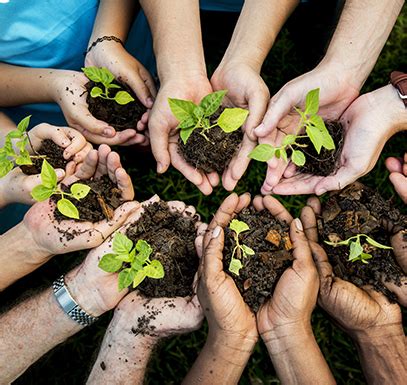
(360, 210)
(325, 163)
(212, 155)
(172, 237)
(120, 117)
(270, 240)
(54, 155)
(99, 204)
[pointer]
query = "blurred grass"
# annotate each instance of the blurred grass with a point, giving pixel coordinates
(70, 362)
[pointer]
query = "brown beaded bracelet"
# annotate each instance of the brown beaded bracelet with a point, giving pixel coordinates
(103, 38)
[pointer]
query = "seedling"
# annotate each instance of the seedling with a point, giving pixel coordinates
(240, 250)
(356, 252)
(315, 130)
(192, 116)
(49, 187)
(125, 254)
(8, 155)
(104, 76)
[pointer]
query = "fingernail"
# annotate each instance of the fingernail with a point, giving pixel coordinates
(108, 132)
(298, 224)
(60, 173)
(160, 167)
(216, 232)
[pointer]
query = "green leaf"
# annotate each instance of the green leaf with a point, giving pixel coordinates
(298, 158)
(235, 266)
(14, 134)
(315, 136)
(238, 226)
(125, 278)
(143, 248)
(232, 119)
(262, 152)
(377, 244)
(355, 251)
(23, 159)
(154, 270)
(283, 154)
(123, 97)
(277, 154)
(67, 208)
(5, 167)
(95, 92)
(211, 103)
(318, 122)
(289, 139)
(247, 250)
(312, 102)
(181, 109)
(80, 190)
(341, 243)
(110, 86)
(187, 123)
(48, 175)
(23, 125)
(125, 257)
(121, 244)
(198, 112)
(138, 278)
(324, 135)
(109, 263)
(185, 134)
(365, 256)
(98, 75)
(41, 193)
(21, 144)
(8, 147)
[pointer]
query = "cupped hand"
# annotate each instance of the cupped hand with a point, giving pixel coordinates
(398, 175)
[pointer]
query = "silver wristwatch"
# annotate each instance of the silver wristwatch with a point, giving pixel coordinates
(68, 304)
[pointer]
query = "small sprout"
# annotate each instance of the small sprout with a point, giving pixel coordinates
(192, 116)
(315, 130)
(241, 250)
(356, 251)
(124, 254)
(104, 76)
(49, 186)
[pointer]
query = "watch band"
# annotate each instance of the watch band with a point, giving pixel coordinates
(68, 304)
(399, 81)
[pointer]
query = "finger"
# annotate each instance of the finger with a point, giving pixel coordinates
(84, 120)
(297, 185)
(77, 142)
(324, 268)
(277, 209)
(379, 298)
(399, 244)
(201, 231)
(140, 88)
(189, 212)
(149, 81)
(103, 152)
(399, 291)
(118, 139)
(343, 177)
(213, 178)
(80, 156)
(113, 163)
(125, 184)
(309, 222)
(138, 139)
(213, 253)
(160, 146)
(244, 201)
(258, 102)
(394, 164)
(89, 165)
(290, 171)
(258, 203)
(315, 204)
(176, 206)
(399, 182)
(301, 248)
(273, 176)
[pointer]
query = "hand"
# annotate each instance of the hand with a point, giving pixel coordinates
(398, 175)
(246, 89)
(368, 123)
(163, 134)
(336, 93)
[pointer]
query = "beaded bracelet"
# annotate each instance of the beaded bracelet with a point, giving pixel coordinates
(103, 38)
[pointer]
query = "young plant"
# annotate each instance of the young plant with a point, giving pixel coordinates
(104, 76)
(356, 252)
(240, 250)
(124, 254)
(315, 130)
(49, 187)
(192, 116)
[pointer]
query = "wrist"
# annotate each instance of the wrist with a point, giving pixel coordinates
(378, 334)
(398, 111)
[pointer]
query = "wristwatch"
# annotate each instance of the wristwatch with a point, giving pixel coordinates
(68, 304)
(399, 81)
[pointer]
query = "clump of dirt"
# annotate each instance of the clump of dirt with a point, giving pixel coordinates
(52, 152)
(172, 237)
(361, 210)
(325, 163)
(270, 240)
(213, 154)
(100, 203)
(120, 117)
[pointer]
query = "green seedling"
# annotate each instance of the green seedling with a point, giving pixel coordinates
(192, 116)
(9, 156)
(239, 250)
(104, 76)
(315, 130)
(356, 252)
(49, 186)
(125, 254)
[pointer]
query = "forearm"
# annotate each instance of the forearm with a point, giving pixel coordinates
(362, 31)
(222, 357)
(256, 30)
(177, 38)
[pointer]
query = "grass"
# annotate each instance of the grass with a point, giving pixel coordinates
(70, 362)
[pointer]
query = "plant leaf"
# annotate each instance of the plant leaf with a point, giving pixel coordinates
(262, 152)
(232, 119)
(14, 134)
(23, 159)
(355, 251)
(211, 103)
(95, 92)
(80, 190)
(41, 193)
(312, 102)
(298, 158)
(125, 278)
(23, 125)
(67, 208)
(199, 112)
(181, 109)
(109, 263)
(123, 97)
(238, 226)
(315, 136)
(289, 139)
(326, 138)
(187, 123)
(5, 167)
(283, 154)
(235, 266)
(185, 134)
(377, 244)
(144, 250)
(247, 250)
(98, 75)
(154, 270)
(48, 175)
(139, 277)
(121, 244)
(341, 243)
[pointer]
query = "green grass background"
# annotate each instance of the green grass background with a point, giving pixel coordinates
(299, 47)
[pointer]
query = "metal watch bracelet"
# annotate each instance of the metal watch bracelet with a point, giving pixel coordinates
(68, 304)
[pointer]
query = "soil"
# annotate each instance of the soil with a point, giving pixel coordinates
(172, 237)
(54, 155)
(212, 155)
(120, 117)
(270, 240)
(325, 163)
(361, 210)
(99, 204)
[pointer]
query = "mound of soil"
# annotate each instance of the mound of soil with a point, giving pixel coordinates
(270, 240)
(325, 163)
(54, 155)
(172, 237)
(212, 155)
(120, 117)
(361, 210)
(101, 201)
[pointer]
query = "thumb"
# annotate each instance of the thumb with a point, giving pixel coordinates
(340, 180)
(302, 251)
(140, 88)
(159, 145)
(257, 106)
(213, 253)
